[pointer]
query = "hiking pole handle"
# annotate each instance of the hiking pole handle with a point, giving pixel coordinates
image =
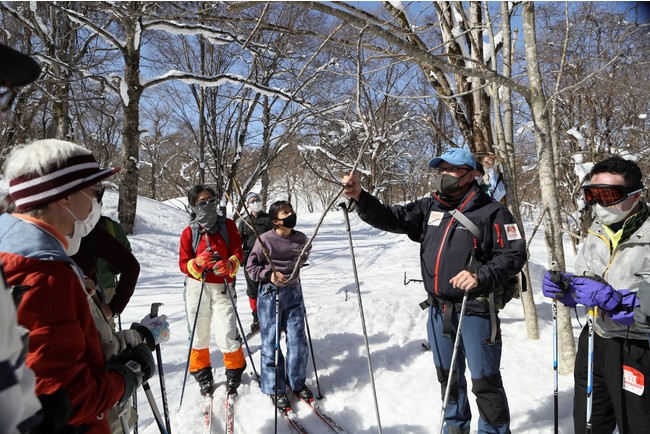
(154, 309)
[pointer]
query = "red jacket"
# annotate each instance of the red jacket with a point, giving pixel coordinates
(218, 245)
(64, 347)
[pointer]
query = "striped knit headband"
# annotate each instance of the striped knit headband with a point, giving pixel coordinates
(33, 190)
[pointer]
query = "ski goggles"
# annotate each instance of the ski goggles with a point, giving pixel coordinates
(608, 195)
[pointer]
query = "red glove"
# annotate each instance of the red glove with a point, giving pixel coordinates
(228, 266)
(204, 260)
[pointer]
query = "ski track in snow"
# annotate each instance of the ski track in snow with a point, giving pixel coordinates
(408, 393)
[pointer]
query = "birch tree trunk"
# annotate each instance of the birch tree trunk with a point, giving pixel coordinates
(131, 133)
(504, 129)
(547, 182)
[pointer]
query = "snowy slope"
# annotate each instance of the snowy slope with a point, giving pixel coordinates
(408, 393)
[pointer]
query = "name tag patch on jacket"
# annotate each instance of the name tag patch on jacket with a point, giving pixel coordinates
(435, 218)
(512, 232)
(633, 380)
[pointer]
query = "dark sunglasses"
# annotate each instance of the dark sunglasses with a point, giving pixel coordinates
(99, 193)
(608, 195)
(207, 202)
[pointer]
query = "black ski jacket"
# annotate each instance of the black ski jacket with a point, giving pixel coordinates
(261, 223)
(446, 245)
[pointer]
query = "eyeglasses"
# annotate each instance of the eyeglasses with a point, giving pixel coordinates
(99, 193)
(207, 202)
(451, 169)
(607, 195)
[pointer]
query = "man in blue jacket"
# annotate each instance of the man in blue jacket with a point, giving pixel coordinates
(447, 247)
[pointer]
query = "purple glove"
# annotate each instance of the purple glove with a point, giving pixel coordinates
(556, 285)
(594, 291)
(624, 314)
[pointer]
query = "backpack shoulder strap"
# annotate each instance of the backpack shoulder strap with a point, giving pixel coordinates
(110, 227)
(223, 230)
(468, 224)
(196, 236)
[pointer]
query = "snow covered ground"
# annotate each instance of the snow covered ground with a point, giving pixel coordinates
(407, 390)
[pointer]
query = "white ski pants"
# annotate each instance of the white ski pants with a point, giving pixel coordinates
(216, 310)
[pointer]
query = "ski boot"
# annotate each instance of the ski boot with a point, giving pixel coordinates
(255, 326)
(281, 402)
(305, 393)
(205, 380)
(233, 379)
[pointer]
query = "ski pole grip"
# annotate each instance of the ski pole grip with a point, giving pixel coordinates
(154, 309)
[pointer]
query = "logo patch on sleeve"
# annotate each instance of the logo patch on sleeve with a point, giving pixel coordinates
(435, 218)
(512, 232)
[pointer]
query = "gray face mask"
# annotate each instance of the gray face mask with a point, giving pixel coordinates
(446, 185)
(207, 215)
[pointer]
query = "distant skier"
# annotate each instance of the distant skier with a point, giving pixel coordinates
(210, 253)
(284, 244)
(447, 246)
(262, 223)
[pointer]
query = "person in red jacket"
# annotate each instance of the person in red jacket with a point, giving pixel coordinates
(53, 184)
(210, 254)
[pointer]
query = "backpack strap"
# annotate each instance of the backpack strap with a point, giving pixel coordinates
(196, 234)
(468, 224)
(110, 227)
(479, 237)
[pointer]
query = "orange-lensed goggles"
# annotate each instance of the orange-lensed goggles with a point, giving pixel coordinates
(607, 195)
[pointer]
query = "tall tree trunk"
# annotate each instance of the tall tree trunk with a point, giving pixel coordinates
(127, 204)
(505, 147)
(547, 181)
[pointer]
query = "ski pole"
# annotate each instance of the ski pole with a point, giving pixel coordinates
(241, 329)
(590, 365)
(161, 376)
(345, 208)
(453, 360)
(189, 352)
(154, 407)
(555, 368)
(277, 351)
(311, 349)
(555, 360)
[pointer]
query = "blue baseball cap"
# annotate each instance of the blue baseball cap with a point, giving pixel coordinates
(455, 157)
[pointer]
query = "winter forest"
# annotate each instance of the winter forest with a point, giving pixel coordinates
(287, 97)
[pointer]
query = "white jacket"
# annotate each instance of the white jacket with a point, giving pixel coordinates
(627, 267)
(18, 401)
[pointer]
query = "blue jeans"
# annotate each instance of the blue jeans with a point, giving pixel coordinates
(292, 321)
(483, 359)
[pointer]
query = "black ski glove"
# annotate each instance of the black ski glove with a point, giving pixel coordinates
(56, 409)
(135, 364)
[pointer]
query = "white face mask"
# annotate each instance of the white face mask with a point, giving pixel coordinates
(255, 206)
(82, 227)
(610, 214)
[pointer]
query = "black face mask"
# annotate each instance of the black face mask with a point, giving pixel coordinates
(447, 185)
(290, 222)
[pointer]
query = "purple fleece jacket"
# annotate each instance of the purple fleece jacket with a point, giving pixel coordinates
(284, 252)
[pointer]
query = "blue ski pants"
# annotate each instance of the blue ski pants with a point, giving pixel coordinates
(292, 323)
(483, 359)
